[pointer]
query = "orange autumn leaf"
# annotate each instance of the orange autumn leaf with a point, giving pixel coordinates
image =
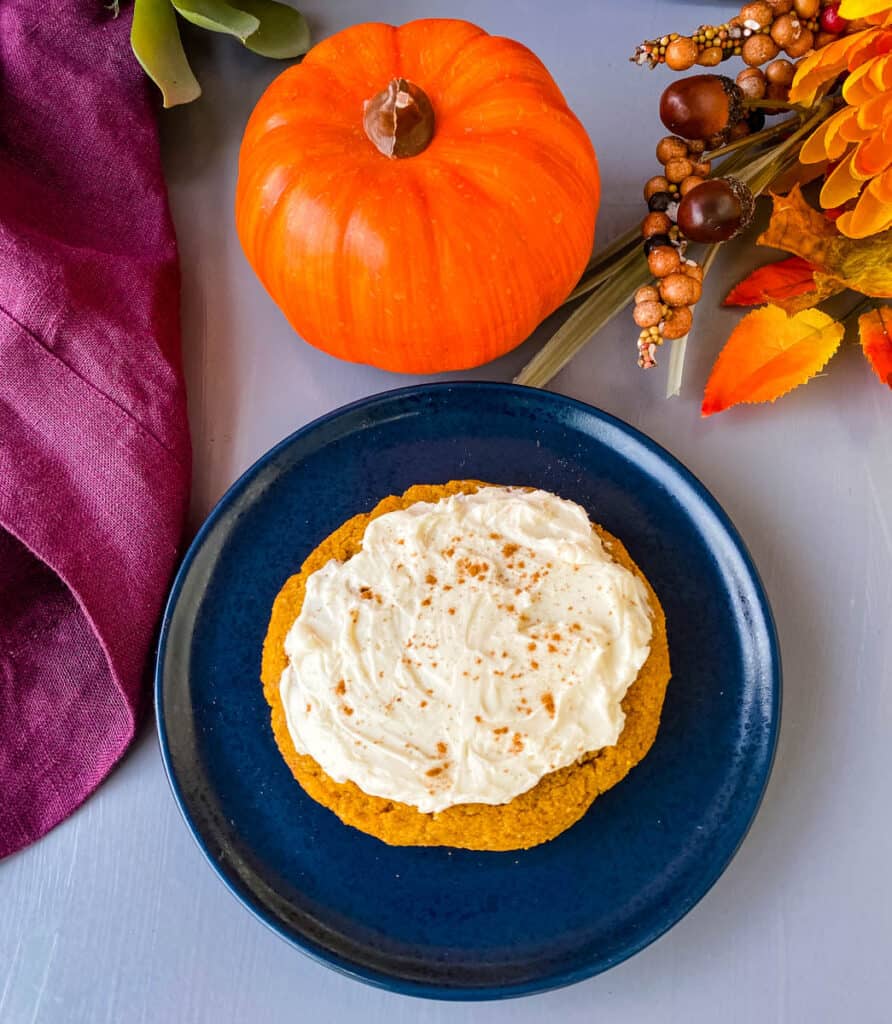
(875, 331)
(769, 354)
(862, 264)
(788, 283)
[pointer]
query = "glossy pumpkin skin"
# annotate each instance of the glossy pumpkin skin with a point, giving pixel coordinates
(439, 261)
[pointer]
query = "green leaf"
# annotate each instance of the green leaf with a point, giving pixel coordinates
(155, 39)
(283, 31)
(218, 16)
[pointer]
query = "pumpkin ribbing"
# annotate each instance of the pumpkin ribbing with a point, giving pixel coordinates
(442, 261)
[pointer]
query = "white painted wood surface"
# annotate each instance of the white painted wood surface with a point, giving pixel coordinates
(115, 918)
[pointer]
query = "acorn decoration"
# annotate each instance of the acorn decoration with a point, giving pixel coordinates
(715, 211)
(702, 106)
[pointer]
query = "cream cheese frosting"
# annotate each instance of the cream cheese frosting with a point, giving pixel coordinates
(472, 646)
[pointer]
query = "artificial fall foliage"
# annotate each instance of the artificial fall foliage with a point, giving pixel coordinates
(769, 354)
(832, 90)
(788, 283)
(875, 331)
(796, 341)
(858, 137)
(864, 264)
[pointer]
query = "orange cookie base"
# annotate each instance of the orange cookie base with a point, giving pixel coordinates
(543, 812)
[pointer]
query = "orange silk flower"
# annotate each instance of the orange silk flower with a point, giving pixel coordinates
(857, 139)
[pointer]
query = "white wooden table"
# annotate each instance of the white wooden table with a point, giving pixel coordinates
(115, 918)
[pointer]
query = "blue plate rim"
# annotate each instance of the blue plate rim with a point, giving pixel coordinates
(560, 978)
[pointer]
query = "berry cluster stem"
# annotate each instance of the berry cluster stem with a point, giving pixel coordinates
(757, 138)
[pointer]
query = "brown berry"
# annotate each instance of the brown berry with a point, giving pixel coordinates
(681, 54)
(711, 57)
(780, 72)
(647, 293)
(807, 8)
(823, 38)
(777, 92)
(756, 15)
(663, 260)
(758, 49)
(647, 314)
(752, 83)
(655, 184)
(700, 105)
(655, 224)
(692, 270)
(801, 45)
(780, 7)
(678, 170)
(715, 211)
(719, 139)
(791, 35)
(677, 323)
(696, 146)
(739, 131)
(680, 290)
(703, 168)
(692, 181)
(671, 148)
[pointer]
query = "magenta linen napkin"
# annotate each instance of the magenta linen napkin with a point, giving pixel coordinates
(94, 444)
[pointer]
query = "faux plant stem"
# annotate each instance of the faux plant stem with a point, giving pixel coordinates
(611, 298)
(680, 345)
(762, 171)
(757, 138)
(604, 269)
(779, 105)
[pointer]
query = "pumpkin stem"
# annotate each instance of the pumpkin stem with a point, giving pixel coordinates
(400, 120)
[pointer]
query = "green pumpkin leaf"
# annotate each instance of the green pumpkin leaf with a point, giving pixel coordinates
(283, 31)
(155, 39)
(218, 16)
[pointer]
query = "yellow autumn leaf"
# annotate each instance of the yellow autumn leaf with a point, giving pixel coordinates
(769, 354)
(851, 9)
(862, 264)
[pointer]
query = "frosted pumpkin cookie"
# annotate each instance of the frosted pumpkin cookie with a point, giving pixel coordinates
(466, 665)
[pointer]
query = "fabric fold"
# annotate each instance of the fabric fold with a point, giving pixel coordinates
(94, 444)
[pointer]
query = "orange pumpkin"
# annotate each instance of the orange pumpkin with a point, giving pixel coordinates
(418, 198)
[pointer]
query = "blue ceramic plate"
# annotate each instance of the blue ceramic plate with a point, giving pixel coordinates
(452, 923)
